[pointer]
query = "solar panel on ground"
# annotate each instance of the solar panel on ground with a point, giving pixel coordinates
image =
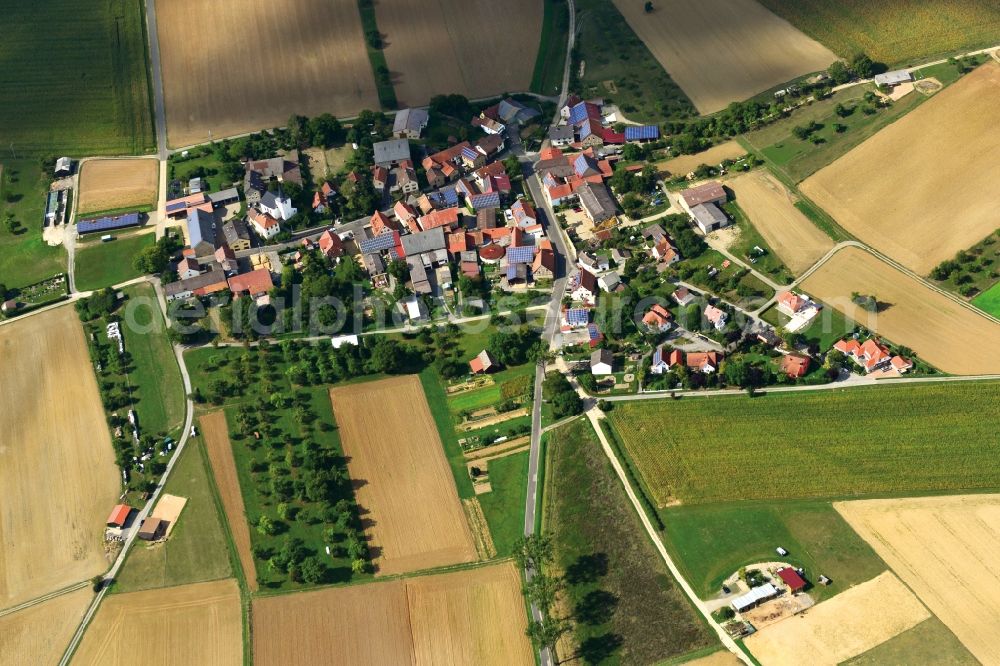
(642, 133)
(378, 243)
(107, 223)
(520, 255)
(577, 316)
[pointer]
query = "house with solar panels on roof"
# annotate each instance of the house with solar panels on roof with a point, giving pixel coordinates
(642, 133)
(107, 223)
(575, 317)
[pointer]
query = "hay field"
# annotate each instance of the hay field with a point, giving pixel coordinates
(771, 208)
(950, 337)
(722, 51)
(685, 164)
(403, 484)
(58, 479)
(945, 549)
(475, 616)
(475, 48)
(117, 184)
(846, 625)
(220, 457)
(448, 616)
(934, 197)
(257, 62)
(39, 634)
(894, 31)
(200, 623)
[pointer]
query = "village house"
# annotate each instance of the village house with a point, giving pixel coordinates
(790, 303)
(658, 318)
(201, 232)
(584, 287)
(683, 296)
(703, 362)
(331, 245)
(263, 224)
(716, 317)
(260, 172)
(227, 259)
(665, 253)
(711, 192)
(574, 317)
(277, 206)
(795, 365)
(236, 235)
(177, 209)
(610, 282)
(602, 362)
(709, 217)
(188, 267)
(209, 282)
(662, 362)
(410, 123)
(406, 215)
(391, 153)
(255, 284)
(561, 135)
(324, 197)
(595, 263)
(483, 363)
(872, 356)
(597, 202)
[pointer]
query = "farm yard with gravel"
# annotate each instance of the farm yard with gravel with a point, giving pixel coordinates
(452, 46)
(259, 62)
(949, 336)
(107, 185)
(771, 208)
(722, 51)
(191, 624)
(403, 483)
(944, 549)
(474, 616)
(695, 451)
(894, 31)
(850, 624)
(933, 198)
(58, 465)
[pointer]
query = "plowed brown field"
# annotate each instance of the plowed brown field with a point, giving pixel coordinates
(220, 456)
(234, 66)
(466, 617)
(475, 48)
(721, 51)
(950, 337)
(40, 634)
(113, 184)
(58, 479)
(405, 489)
(191, 624)
(924, 187)
(771, 209)
(945, 549)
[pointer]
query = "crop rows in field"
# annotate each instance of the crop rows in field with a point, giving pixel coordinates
(894, 31)
(864, 441)
(74, 78)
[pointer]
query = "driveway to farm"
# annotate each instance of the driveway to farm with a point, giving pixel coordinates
(159, 110)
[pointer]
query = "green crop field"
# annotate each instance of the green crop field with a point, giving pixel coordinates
(625, 606)
(915, 438)
(894, 31)
(989, 301)
(74, 78)
(101, 265)
(196, 550)
(551, 59)
(24, 257)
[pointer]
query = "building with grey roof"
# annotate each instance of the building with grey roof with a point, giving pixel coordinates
(893, 78)
(409, 123)
(223, 197)
(597, 202)
(709, 217)
(201, 232)
(425, 241)
(390, 153)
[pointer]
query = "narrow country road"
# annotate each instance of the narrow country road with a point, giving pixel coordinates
(159, 108)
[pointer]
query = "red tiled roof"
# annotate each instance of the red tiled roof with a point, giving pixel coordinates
(700, 360)
(791, 578)
(795, 365)
(330, 244)
(792, 301)
(382, 223)
(492, 252)
(255, 282)
(119, 515)
(439, 218)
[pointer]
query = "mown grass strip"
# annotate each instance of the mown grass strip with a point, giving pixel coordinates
(551, 59)
(373, 45)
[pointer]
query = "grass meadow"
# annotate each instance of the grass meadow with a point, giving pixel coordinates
(100, 265)
(895, 32)
(75, 78)
(989, 301)
(868, 441)
(24, 257)
(503, 506)
(551, 59)
(197, 549)
(625, 606)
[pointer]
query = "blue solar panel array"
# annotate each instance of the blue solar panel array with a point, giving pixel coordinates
(470, 153)
(642, 133)
(578, 113)
(107, 223)
(177, 205)
(378, 243)
(658, 356)
(586, 130)
(594, 333)
(520, 255)
(584, 165)
(487, 200)
(577, 316)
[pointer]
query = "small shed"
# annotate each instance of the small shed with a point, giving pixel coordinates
(484, 362)
(152, 529)
(754, 597)
(119, 515)
(792, 579)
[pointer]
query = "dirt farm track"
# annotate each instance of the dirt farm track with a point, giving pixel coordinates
(940, 330)
(58, 479)
(721, 51)
(114, 184)
(235, 66)
(474, 616)
(404, 487)
(474, 48)
(191, 624)
(936, 196)
(945, 549)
